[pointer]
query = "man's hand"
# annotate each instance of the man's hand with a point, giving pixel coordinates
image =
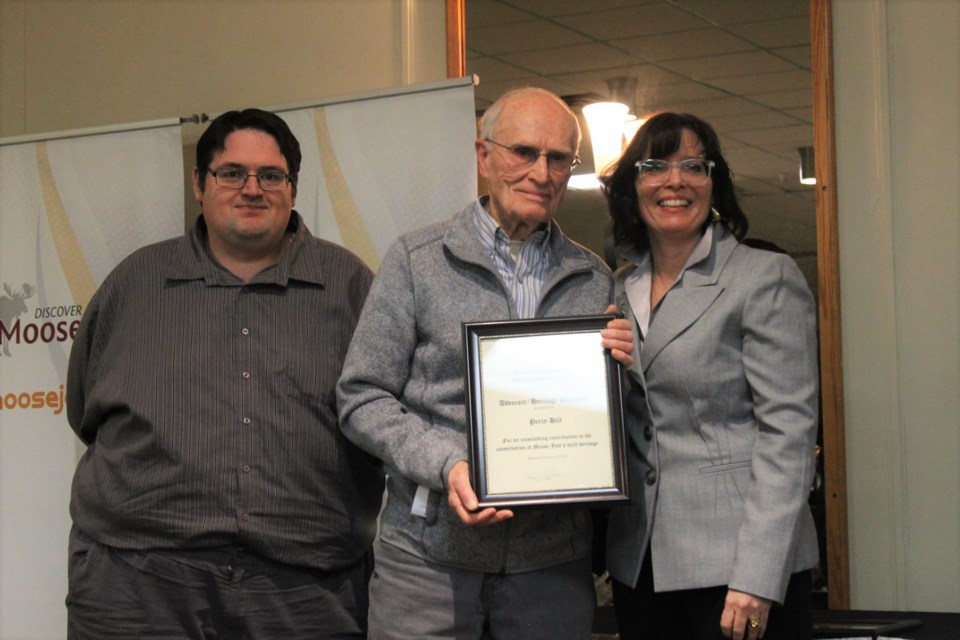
(463, 500)
(618, 338)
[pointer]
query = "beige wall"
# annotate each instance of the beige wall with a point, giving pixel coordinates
(897, 67)
(67, 64)
(73, 64)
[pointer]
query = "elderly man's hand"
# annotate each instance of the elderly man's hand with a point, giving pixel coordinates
(463, 500)
(618, 338)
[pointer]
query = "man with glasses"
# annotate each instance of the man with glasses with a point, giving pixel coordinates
(217, 497)
(444, 568)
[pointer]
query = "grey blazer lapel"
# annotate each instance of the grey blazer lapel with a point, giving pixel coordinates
(699, 287)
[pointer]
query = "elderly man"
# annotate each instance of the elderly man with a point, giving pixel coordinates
(445, 569)
(217, 497)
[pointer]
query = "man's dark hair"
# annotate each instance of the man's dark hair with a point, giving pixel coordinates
(214, 139)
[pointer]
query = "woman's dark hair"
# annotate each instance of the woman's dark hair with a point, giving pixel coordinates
(660, 137)
(214, 139)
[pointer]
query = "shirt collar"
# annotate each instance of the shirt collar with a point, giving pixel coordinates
(493, 234)
(193, 260)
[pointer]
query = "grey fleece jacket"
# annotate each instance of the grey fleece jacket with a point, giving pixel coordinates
(401, 395)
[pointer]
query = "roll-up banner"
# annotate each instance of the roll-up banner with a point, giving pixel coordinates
(72, 206)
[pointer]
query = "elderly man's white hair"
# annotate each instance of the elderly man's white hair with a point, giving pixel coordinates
(489, 119)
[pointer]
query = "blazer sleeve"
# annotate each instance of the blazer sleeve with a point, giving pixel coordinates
(780, 364)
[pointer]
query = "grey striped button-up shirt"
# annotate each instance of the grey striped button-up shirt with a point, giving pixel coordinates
(208, 405)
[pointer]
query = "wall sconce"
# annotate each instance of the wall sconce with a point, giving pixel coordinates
(608, 123)
(807, 173)
(630, 128)
(605, 120)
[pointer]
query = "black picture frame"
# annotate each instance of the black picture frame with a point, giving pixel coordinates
(545, 411)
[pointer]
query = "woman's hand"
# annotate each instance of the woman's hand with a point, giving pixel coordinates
(744, 616)
(618, 338)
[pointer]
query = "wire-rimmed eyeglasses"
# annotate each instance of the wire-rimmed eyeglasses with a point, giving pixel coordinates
(236, 177)
(693, 171)
(522, 156)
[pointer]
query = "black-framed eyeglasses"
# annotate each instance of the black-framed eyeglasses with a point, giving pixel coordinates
(693, 171)
(522, 156)
(236, 177)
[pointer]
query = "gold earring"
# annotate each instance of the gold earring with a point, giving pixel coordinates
(714, 215)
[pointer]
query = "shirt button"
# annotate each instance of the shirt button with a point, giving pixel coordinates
(245, 331)
(246, 421)
(648, 433)
(651, 477)
(245, 517)
(246, 375)
(246, 468)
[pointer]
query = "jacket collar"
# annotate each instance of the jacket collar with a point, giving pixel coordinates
(698, 288)
(462, 240)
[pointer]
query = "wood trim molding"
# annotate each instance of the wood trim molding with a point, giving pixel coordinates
(456, 39)
(828, 267)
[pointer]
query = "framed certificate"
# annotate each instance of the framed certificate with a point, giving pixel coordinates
(545, 412)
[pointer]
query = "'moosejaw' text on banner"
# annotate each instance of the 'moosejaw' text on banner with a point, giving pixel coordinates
(70, 209)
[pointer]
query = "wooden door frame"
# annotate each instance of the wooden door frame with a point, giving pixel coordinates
(828, 269)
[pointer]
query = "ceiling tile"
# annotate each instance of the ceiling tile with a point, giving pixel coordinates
(750, 121)
(521, 36)
(791, 99)
(765, 82)
(710, 108)
(741, 11)
(650, 79)
(733, 64)
(568, 59)
(675, 97)
(490, 68)
(683, 44)
(799, 56)
(553, 8)
(658, 17)
(795, 135)
(775, 33)
(491, 12)
(803, 115)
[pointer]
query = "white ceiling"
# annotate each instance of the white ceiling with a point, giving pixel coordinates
(741, 65)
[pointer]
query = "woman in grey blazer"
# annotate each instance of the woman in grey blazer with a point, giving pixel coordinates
(718, 540)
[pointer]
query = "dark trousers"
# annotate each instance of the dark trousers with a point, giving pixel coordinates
(694, 614)
(226, 593)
